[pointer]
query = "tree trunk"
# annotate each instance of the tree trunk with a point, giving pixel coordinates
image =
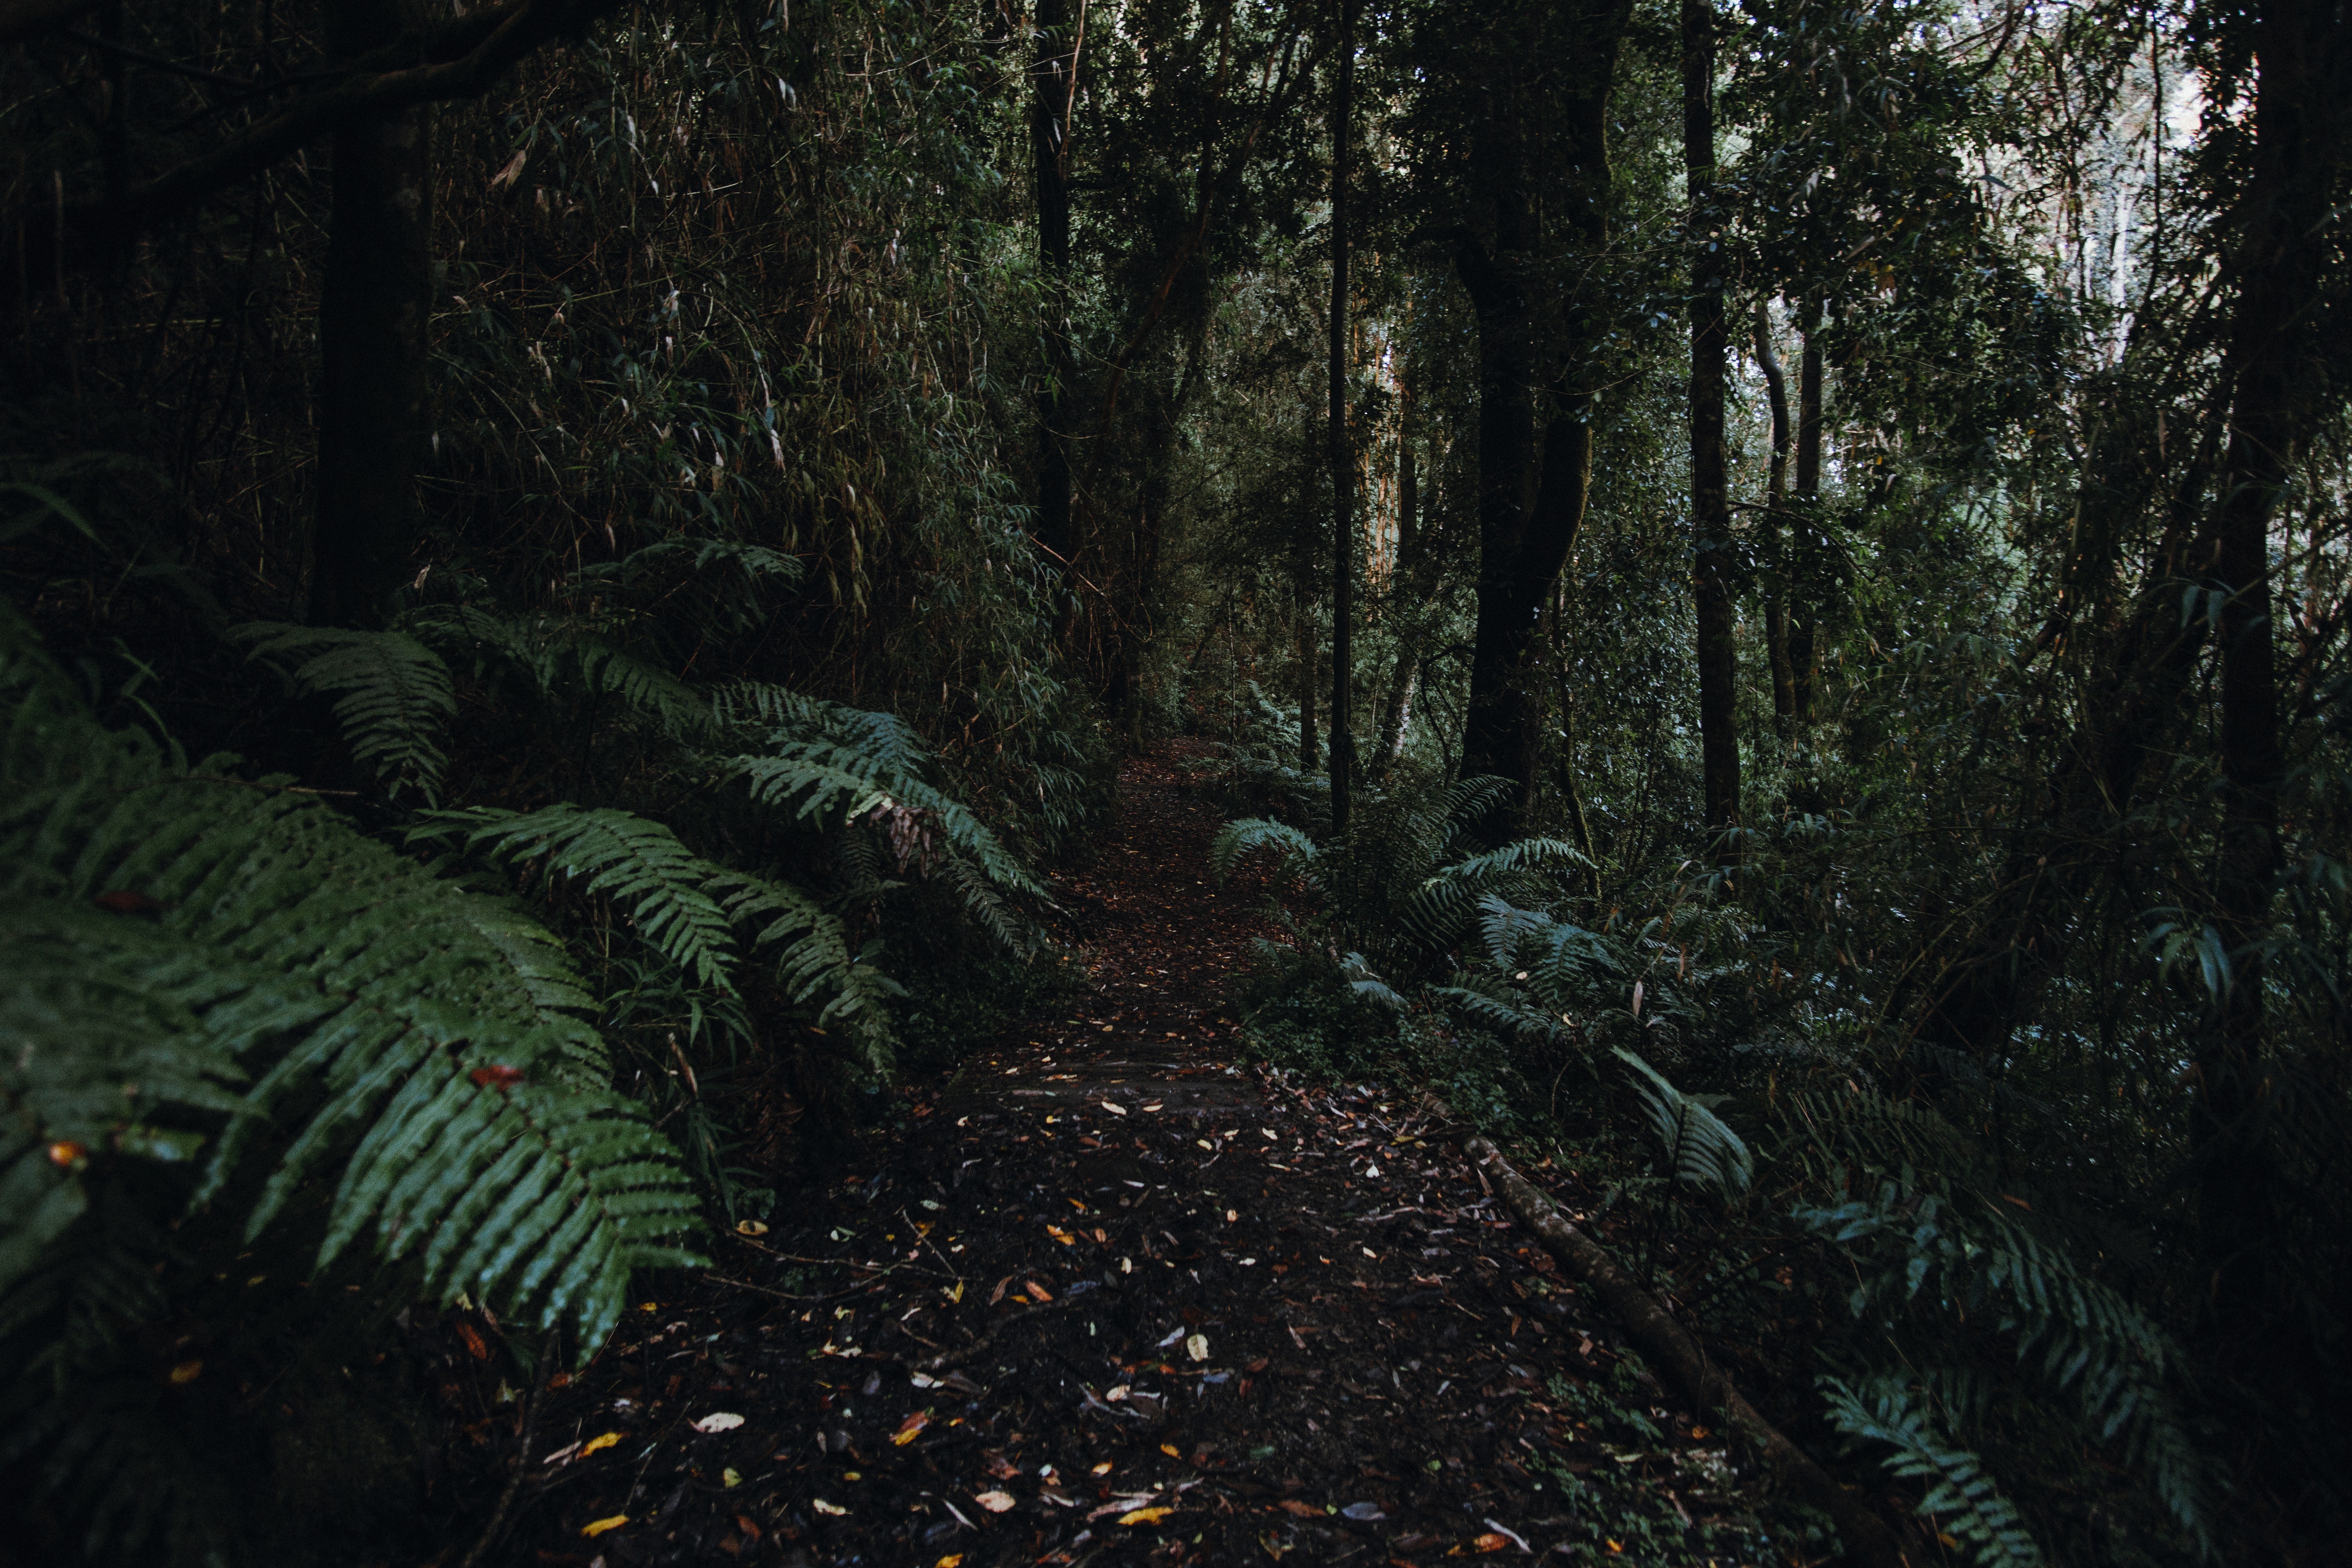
(2304, 54)
(1711, 573)
(1803, 661)
(1532, 498)
(1776, 533)
(1342, 451)
(1055, 80)
(1310, 752)
(374, 340)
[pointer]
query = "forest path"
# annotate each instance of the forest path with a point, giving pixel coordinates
(1108, 1298)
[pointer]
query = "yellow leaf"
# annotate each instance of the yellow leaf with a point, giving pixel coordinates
(1146, 1516)
(750, 1227)
(952, 1560)
(731, 1477)
(598, 1527)
(187, 1371)
(600, 1441)
(910, 1428)
(1169, 1449)
(1101, 1469)
(1491, 1542)
(956, 1295)
(1058, 1233)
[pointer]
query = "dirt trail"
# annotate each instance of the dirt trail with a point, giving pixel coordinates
(1110, 1298)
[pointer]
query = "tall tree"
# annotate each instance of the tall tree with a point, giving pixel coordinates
(1776, 531)
(1342, 451)
(375, 317)
(1711, 552)
(1539, 114)
(2283, 245)
(1054, 84)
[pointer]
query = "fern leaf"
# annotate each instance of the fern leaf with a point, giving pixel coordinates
(397, 695)
(1699, 1148)
(1238, 840)
(1962, 1497)
(639, 862)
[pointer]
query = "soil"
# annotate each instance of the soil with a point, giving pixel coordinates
(1109, 1296)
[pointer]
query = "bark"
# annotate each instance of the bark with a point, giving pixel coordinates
(1342, 451)
(1776, 596)
(1054, 82)
(1711, 572)
(1803, 666)
(373, 345)
(1696, 1375)
(1311, 751)
(2305, 50)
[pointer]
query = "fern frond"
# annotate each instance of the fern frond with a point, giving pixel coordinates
(1699, 1148)
(815, 957)
(1293, 850)
(1962, 1497)
(638, 861)
(396, 696)
(829, 783)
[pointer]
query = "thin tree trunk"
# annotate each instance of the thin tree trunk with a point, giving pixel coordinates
(1342, 452)
(1803, 660)
(1053, 79)
(1310, 752)
(1776, 596)
(374, 340)
(1710, 511)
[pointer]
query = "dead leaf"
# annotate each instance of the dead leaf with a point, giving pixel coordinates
(994, 1502)
(598, 1527)
(499, 1078)
(999, 1468)
(836, 1510)
(1038, 1291)
(1058, 1233)
(750, 1227)
(512, 172)
(1145, 1515)
(1490, 1541)
(187, 1371)
(1303, 1510)
(600, 1442)
(998, 1294)
(1114, 1107)
(910, 1428)
(473, 1338)
(1197, 1346)
(1101, 1469)
(718, 1421)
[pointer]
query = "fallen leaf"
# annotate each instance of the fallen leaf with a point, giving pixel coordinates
(1101, 1237)
(1058, 1233)
(744, 1522)
(474, 1345)
(1151, 1108)
(952, 1560)
(998, 1295)
(1232, 1216)
(1303, 1510)
(1169, 1449)
(1490, 1541)
(836, 1510)
(910, 1428)
(1101, 1469)
(994, 1502)
(600, 1442)
(1114, 1107)
(1001, 1468)
(1197, 1346)
(1038, 1291)
(1258, 1365)
(1145, 1515)
(718, 1421)
(731, 1477)
(65, 1154)
(187, 1371)
(1363, 1512)
(1117, 1393)
(750, 1227)
(598, 1527)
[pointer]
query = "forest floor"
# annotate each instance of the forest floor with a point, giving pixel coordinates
(1109, 1296)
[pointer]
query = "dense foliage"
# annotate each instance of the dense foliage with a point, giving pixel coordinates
(675, 512)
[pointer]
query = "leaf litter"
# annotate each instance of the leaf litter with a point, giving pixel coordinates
(1216, 1363)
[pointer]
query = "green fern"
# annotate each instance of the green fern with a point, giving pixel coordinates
(1962, 1497)
(1293, 851)
(1699, 1148)
(283, 943)
(639, 863)
(396, 696)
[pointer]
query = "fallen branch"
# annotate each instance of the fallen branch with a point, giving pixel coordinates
(1669, 1347)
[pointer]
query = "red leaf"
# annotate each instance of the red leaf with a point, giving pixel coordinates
(501, 1078)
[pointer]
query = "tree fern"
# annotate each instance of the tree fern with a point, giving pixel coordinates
(1962, 1497)
(396, 697)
